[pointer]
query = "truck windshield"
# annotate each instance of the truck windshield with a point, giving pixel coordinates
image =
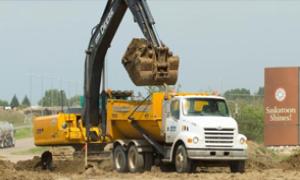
(205, 107)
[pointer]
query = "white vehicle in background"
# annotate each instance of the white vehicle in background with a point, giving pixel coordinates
(6, 135)
(7, 108)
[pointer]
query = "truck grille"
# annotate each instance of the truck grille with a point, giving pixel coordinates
(219, 137)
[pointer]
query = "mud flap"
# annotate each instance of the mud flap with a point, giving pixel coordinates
(148, 65)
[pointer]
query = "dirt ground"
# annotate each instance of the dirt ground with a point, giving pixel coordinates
(262, 164)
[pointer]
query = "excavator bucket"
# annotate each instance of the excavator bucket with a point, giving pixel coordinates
(150, 66)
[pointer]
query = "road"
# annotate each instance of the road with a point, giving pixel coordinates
(14, 154)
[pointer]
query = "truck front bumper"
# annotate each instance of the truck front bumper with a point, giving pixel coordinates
(217, 154)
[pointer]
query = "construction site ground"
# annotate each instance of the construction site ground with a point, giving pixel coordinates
(19, 163)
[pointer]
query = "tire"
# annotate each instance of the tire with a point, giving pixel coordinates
(136, 161)
(10, 142)
(237, 166)
(120, 161)
(5, 143)
(47, 161)
(148, 161)
(1, 144)
(182, 163)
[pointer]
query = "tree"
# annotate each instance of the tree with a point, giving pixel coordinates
(238, 93)
(3, 103)
(53, 97)
(251, 120)
(26, 102)
(260, 92)
(14, 102)
(74, 101)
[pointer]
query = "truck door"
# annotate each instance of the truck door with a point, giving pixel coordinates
(171, 126)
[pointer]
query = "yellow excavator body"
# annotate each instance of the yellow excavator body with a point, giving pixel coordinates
(59, 129)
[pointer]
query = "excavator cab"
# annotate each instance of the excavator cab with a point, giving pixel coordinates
(150, 66)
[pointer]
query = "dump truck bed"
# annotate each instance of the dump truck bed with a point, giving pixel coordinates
(147, 114)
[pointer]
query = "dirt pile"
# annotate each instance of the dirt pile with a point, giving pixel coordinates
(8, 171)
(259, 168)
(6, 165)
(292, 162)
(261, 158)
(59, 166)
(27, 165)
(105, 165)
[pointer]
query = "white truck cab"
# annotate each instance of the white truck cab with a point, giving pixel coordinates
(200, 128)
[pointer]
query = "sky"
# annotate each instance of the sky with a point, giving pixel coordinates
(222, 44)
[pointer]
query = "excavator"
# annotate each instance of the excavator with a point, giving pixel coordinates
(147, 61)
(177, 131)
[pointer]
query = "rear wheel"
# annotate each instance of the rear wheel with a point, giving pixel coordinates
(182, 163)
(120, 159)
(237, 166)
(136, 161)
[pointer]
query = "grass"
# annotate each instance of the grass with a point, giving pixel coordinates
(23, 133)
(18, 119)
(15, 117)
(35, 150)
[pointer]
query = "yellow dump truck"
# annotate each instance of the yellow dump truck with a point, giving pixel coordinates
(176, 130)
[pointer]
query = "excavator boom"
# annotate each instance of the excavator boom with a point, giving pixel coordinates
(147, 61)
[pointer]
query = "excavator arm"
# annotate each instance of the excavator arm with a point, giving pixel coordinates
(148, 62)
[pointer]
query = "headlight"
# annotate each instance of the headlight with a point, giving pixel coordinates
(195, 140)
(243, 140)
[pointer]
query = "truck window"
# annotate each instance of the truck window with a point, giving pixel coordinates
(175, 109)
(205, 107)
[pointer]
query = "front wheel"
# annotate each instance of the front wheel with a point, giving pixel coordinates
(120, 159)
(182, 163)
(237, 166)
